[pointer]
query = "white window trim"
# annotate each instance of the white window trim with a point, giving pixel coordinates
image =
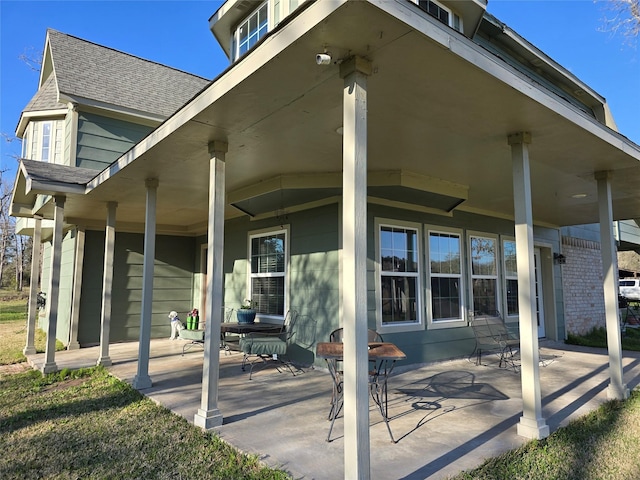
(261, 233)
(459, 322)
(498, 276)
(447, 9)
(404, 327)
(505, 277)
(235, 41)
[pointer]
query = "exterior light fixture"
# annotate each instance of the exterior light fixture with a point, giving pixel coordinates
(559, 259)
(323, 58)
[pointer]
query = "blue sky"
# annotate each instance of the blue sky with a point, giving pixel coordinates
(176, 33)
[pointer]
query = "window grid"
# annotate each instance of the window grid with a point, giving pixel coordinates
(252, 30)
(445, 270)
(268, 269)
(399, 275)
(510, 276)
(484, 274)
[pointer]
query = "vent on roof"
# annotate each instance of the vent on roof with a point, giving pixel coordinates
(245, 5)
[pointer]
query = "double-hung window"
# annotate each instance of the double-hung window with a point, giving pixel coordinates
(446, 292)
(43, 141)
(250, 30)
(398, 260)
(510, 277)
(440, 12)
(484, 273)
(269, 262)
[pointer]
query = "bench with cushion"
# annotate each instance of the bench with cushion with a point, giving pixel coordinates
(195, 337)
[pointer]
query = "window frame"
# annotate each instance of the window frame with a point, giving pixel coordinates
(472, 276)
(433, 324)
(418, 325)
(454, 20)
(506, 277)
(235, 37)
(266, 232)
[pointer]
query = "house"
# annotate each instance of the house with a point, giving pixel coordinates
(375, 164)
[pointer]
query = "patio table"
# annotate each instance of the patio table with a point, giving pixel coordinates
(382, 355)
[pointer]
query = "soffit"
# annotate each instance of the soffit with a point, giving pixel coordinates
(430, 112)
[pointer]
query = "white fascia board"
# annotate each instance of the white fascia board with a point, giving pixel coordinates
(52, 188)
(272, 46)
(552, 64)
(484, 60)
(26, 117)
(87, 103)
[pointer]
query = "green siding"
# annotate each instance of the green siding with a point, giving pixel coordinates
(172, 289)
(65, 291)
(102, 140)
(68, 130)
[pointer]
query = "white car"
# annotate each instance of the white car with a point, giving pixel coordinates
(629, 288)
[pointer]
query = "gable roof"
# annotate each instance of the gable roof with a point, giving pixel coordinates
(87, 72)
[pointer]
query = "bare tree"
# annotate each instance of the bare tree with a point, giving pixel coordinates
(624, 19)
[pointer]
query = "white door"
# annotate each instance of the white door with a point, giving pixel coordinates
(539, 299)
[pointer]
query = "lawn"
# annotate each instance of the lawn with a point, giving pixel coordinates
(13, 330)
(87, 424)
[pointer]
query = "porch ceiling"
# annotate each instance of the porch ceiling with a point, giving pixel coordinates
(430, 112)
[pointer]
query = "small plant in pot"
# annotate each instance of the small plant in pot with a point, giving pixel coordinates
(247, 312)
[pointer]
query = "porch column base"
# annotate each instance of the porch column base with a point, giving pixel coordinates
(73, 346)
(207, 419)
(529, 428)
(49, 367)
(29, 350)
(140, 382)
(105, 362)
(615, 392)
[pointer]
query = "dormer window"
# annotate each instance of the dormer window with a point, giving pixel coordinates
(42, 141)
(442, 13)
(250, 30)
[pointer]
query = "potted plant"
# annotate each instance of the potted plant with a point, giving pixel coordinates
(247, 312)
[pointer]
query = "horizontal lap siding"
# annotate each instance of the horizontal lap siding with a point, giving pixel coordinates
(172, 285)
(102, 140)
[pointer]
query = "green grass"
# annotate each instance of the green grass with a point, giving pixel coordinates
(88, 424)
(603, 445)
(598, 338)
(13, 331)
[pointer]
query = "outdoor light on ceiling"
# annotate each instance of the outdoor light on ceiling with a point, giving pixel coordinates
(579, 195)
(323, 58)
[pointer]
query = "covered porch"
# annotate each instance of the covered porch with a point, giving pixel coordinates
(447, 416)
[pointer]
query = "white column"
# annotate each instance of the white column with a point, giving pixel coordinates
(208, 415)
(54, 285)
(532, 424)
(30, 348)
(142, 379)
(107, 284)
(357, 463)
(617, 389)
(77, 290)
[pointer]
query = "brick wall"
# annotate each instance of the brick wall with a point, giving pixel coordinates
(582, 285)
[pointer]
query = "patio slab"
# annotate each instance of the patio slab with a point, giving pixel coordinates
(446, 417)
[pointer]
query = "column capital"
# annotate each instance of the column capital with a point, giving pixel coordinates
(355, 64)
(151, 183)
(518, 138)
(217, 146)
(59, 200)
(112, 204)
(602, 175)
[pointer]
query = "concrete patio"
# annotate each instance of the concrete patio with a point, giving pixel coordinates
(446, 417)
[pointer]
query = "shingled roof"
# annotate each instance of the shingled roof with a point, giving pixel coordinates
(84, 70)
(46, 98)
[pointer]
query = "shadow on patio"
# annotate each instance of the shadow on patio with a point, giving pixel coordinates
(446, 417)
